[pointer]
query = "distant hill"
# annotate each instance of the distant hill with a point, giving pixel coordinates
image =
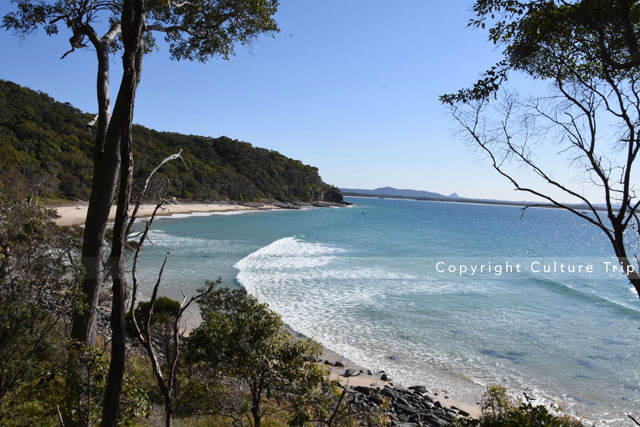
(454, 198)
(46, 147)
(394, 192)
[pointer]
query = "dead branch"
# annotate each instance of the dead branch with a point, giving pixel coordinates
(178, 155)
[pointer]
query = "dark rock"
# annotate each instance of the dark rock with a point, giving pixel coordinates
(350, 372)
(369, 372)
(463, 413)
(326, 362)
(375, 399)
(431, 419)
(339, 364)
(405, 409)
(385, 377)
(438, 404)
(389, 393)
(439, 412)
(364, 390)
(419, 388)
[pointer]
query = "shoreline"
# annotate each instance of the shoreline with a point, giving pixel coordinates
(338, 365)
(75, 213)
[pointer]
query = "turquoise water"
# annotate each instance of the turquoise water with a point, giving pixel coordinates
(366, 282)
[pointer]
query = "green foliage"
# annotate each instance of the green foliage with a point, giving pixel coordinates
(196, 30)
(499, 410)
(243, 343)
(200, 37)
(560, 41)
(38, 269)
(165, 309)
(37, 265)
(93, 365)
(46, 149)
(165, 312)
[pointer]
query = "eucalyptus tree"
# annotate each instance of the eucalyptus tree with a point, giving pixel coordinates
(193, 30)
(588, 53)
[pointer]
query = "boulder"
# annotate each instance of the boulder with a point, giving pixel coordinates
(350, 372)
(363, 390)
(405, 409)
(390, 393)
(419, 388)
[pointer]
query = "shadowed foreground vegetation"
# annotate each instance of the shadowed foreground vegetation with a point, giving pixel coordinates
(46, 149)
(239, 367)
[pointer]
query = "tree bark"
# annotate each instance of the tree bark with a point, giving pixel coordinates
(621, 253)
(106, 160)
(168, 412)
(133, 19)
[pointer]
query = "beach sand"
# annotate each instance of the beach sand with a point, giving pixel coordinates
(75, 214)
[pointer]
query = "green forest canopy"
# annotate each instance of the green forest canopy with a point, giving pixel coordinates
(46, 149)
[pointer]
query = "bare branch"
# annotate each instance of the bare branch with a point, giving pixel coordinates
(178, 155)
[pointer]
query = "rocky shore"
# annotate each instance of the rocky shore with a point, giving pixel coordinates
(407, 407)
(412, 406)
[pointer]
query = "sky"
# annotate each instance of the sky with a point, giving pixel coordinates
(350, 87)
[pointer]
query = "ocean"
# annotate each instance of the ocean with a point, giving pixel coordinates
(452, 296)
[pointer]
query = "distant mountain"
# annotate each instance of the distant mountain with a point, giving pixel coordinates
(395, 192)
(46, 147)
(454, 198)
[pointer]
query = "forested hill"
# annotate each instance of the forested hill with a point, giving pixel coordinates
(46, 148)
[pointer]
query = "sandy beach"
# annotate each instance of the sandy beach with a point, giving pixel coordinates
(75, 214)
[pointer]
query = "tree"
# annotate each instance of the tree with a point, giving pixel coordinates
(193, 30)
(38, 262)
(198, 30)
(588, 51)
(244, 342)
(163, 313)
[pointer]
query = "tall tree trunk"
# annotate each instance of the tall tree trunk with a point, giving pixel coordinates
(133, 19)
(168, 411)
(106, 160)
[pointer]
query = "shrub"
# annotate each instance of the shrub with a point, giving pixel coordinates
(499, 410)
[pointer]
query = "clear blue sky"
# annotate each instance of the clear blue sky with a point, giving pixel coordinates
(348, 86)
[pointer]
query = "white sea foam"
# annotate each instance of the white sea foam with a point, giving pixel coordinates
(217, 213)
(346, 303)
(313, 289)
(193, 245)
